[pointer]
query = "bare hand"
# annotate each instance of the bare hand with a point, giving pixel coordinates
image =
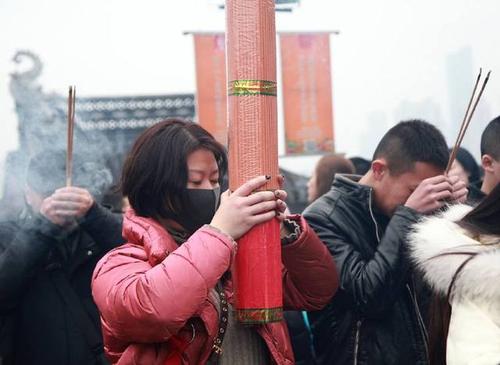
(66, 205)
(242, 210)
(282, 212)
(430, 194)
(459, 190)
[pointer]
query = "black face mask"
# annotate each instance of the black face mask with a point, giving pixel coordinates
(201, 208)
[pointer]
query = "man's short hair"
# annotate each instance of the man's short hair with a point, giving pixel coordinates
(412, 141)
(490, 139)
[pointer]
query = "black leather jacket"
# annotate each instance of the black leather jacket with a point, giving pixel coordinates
(374, 317)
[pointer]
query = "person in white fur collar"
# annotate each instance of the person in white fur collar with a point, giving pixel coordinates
(459, 254)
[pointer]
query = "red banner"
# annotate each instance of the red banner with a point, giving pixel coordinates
(307, 93)
(211, 86)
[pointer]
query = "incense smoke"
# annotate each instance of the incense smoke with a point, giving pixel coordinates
(42, 127)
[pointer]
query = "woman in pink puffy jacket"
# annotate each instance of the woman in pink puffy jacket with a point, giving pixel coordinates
(166, 296)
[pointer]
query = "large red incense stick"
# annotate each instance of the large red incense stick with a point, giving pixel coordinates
(253, 151)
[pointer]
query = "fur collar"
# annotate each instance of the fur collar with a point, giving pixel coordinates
(440, 234)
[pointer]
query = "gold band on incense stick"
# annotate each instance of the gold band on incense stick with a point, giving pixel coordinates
(259, 315)
(252, 87)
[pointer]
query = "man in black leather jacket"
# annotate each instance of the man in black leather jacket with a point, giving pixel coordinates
(47, 256)
(374, 317)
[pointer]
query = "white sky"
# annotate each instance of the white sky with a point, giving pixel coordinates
(391, 60)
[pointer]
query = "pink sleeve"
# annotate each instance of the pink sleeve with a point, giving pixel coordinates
(141, 303)
(310, 277)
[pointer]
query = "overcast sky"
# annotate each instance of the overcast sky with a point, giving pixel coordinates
(393, 59)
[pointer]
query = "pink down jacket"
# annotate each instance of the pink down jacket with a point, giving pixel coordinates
(150, 288)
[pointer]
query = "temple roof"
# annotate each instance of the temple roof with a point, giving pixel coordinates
(131, 112)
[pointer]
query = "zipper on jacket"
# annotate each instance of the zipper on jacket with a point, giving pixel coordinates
(356, 342)
(372, 215)
(359, 322)
(421, 324)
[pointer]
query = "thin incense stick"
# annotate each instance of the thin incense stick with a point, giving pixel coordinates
(462, 125)
(460, 132)
(467, 119)
(73, 109)
(475, 105)
(71, 123)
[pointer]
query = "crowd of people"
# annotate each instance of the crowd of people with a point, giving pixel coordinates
(394, 262)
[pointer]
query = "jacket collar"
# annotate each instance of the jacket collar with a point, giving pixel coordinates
(147, 232)
(361, 196)
(351, 189)
(441, 233)
(438, 245)
(350, 184)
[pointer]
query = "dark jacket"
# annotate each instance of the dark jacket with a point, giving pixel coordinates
(300, 336)
(36, 256)
(373, 318)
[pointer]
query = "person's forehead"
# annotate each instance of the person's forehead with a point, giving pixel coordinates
(420, 172)
(203, 171)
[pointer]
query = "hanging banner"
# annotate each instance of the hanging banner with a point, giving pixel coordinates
(211, 86)
(307, 93)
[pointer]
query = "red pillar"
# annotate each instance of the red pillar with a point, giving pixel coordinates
(253, 151)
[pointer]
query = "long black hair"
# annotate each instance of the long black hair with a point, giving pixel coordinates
(485, 218)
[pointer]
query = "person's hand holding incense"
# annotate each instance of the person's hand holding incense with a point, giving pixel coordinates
(67, 205)
(459, 189)
(431, 194)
